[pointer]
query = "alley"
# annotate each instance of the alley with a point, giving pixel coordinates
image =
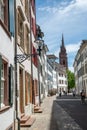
(54, 117)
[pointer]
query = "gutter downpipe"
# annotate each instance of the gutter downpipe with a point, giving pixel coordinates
(15, 61)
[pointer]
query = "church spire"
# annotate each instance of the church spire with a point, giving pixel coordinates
(63, 55)
(62, 40)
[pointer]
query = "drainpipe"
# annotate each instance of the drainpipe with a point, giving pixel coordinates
(39, 81)
(15, 61)
(57, 79)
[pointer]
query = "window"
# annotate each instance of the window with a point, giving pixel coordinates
(3, 82)
(26, 40)
(59, 81)
(10, 128)
(27, 88)
(86, 68)
(21, 33)
(2, 10)
(33, 5)
(33, 26)
(63, 62)
(62, 81)
(34, 58)
(20, 28)
(27, 9)
(6, 84)
(2, 85)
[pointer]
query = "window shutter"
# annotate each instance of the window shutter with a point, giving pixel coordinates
(11, 85)
(0, 77)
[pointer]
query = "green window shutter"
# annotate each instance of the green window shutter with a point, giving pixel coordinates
(0, 77)
(11, 85)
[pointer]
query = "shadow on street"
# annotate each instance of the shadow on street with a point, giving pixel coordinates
(54, 116)
(74, 108)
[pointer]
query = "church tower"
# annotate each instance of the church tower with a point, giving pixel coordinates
(63, 55)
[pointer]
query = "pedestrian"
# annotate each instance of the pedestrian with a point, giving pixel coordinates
(74, 93)
(83, 96)
(60, 94)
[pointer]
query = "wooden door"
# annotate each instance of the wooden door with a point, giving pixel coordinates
(21, 90)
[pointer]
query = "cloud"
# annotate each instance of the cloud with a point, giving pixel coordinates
(67, 17)
(60, 19)
(71, 48)
(49, 9)
(59, 12)
(65, 7)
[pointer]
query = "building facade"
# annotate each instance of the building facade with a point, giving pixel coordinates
(62, 83)
(6, 69)
(80, 68)
(26, 76)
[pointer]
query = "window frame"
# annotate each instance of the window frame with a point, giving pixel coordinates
(2, 6)
(5, 103)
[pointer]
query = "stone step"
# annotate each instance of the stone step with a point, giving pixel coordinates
(29, 122)
(38, 111)
(22, 115)
(24, 118)
(36, 108)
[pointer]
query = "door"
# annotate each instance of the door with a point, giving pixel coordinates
(21, 90)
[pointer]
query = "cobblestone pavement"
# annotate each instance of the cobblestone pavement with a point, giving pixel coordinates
(53, 117)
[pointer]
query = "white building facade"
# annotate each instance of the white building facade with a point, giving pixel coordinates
(80, 68)
(62, 83)
(6, 70)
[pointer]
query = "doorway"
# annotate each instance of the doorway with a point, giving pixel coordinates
(21, 90)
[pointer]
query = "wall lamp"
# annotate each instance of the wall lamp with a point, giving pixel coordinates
(22, 57)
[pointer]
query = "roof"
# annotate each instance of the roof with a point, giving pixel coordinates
(52, 56)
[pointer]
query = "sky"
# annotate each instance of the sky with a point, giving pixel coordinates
(67, 17)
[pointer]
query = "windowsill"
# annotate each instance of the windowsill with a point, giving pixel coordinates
(3, 109)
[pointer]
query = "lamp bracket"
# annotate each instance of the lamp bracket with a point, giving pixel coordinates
(22, 57)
